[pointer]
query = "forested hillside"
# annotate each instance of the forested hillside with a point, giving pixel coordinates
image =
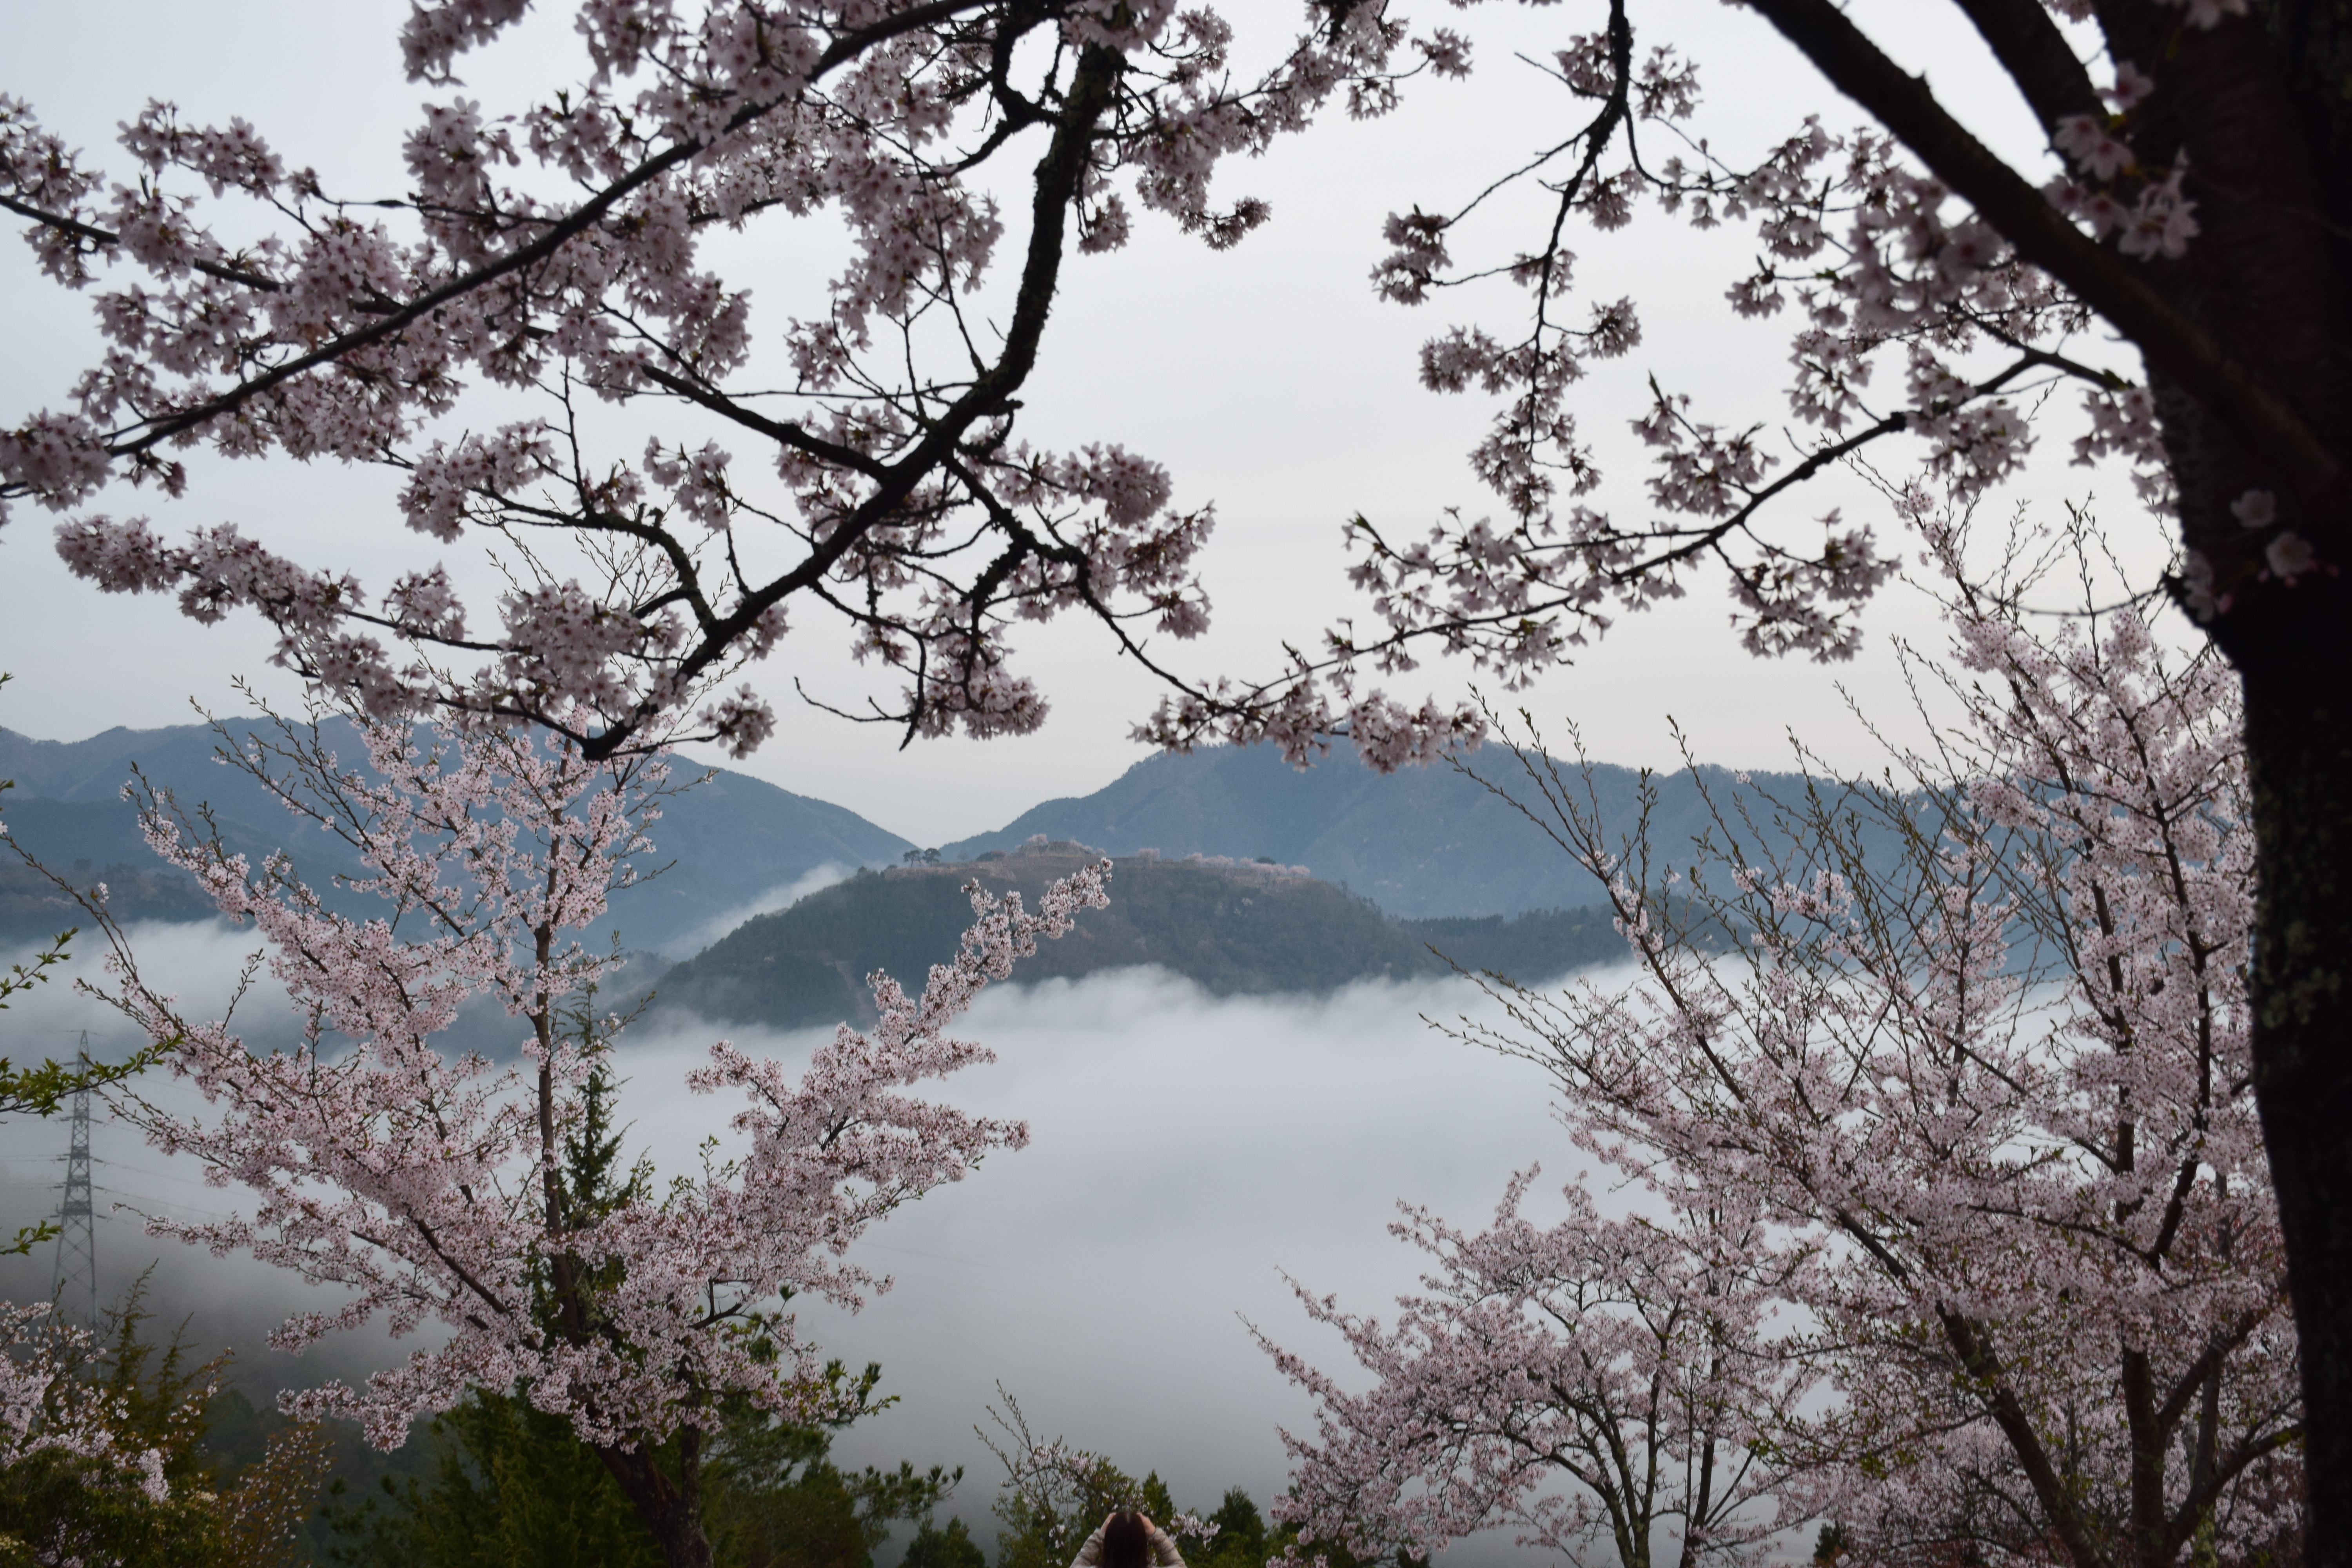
(1236, 928)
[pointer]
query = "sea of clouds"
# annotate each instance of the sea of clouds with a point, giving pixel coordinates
(1189, 1155)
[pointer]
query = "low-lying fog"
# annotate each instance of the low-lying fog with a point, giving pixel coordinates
(1185, 1151)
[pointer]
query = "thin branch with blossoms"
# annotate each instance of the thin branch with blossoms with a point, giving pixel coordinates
(561, 250)
(1858, 230)
(1587, 1383)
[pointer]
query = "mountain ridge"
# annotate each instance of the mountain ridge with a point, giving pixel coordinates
(737, 839)
(1423, 843)
(1235, 928)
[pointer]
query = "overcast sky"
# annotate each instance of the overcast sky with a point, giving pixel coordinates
(1268, 379)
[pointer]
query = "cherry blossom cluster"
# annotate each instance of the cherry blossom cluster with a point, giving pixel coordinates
(2286, 556)
(2159, 219)
(45, 1407)
(1583, 1383)
(557, 248)
(1970, 1089)
(428, 1186)
(1229, 863)
(1914, 317)
(1879, 271)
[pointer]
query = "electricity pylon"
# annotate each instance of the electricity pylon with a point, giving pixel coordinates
(76, 1274)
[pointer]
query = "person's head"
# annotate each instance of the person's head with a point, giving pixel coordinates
(1127, 1540)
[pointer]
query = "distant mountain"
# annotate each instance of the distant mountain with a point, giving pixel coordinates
(1235, 928)
(1420, 842)
(1423, 844)
(34, 908)
(735, 842)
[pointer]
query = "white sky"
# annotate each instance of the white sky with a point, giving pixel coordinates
(1268, 379)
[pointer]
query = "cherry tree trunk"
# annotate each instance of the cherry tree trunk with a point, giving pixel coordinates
(2299, 747)
(2263, 118)
(672, 1512)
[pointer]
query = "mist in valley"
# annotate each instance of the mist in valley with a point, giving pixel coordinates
(1186, 1153)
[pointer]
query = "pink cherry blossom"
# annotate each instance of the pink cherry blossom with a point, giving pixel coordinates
(46, 1406)
(2290, 555)
(2132, 87)
(1951, 1220)
(426, 1186)
(556, 248)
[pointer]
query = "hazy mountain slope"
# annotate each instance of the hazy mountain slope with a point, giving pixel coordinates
(733, 839)
(94, 769)
(1235, 928)
(736, 839)
(34, 909)
(1421, 842)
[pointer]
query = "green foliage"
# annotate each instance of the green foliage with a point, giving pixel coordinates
(57, 1506)
(593, 1182)
(508, 1486)
(1243, 1538)
(952, 1547)
(1153, 1499)
(1240, 1539)
(161, 1392)
(773, 1498)
(237, 1431)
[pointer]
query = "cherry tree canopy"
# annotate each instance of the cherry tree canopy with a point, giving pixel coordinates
(440, 1188)
(559, 252)
(1968, 1104)
(1593, 1381)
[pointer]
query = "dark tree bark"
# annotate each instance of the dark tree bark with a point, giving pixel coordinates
(670, 1507)
(2249, 360)
(2299, 748)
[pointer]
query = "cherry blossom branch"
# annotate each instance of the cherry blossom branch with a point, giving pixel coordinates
(434, 1187)
(554, 235)
(108, 239)
(2037, 56)
(675, 131)
(2044, 236)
